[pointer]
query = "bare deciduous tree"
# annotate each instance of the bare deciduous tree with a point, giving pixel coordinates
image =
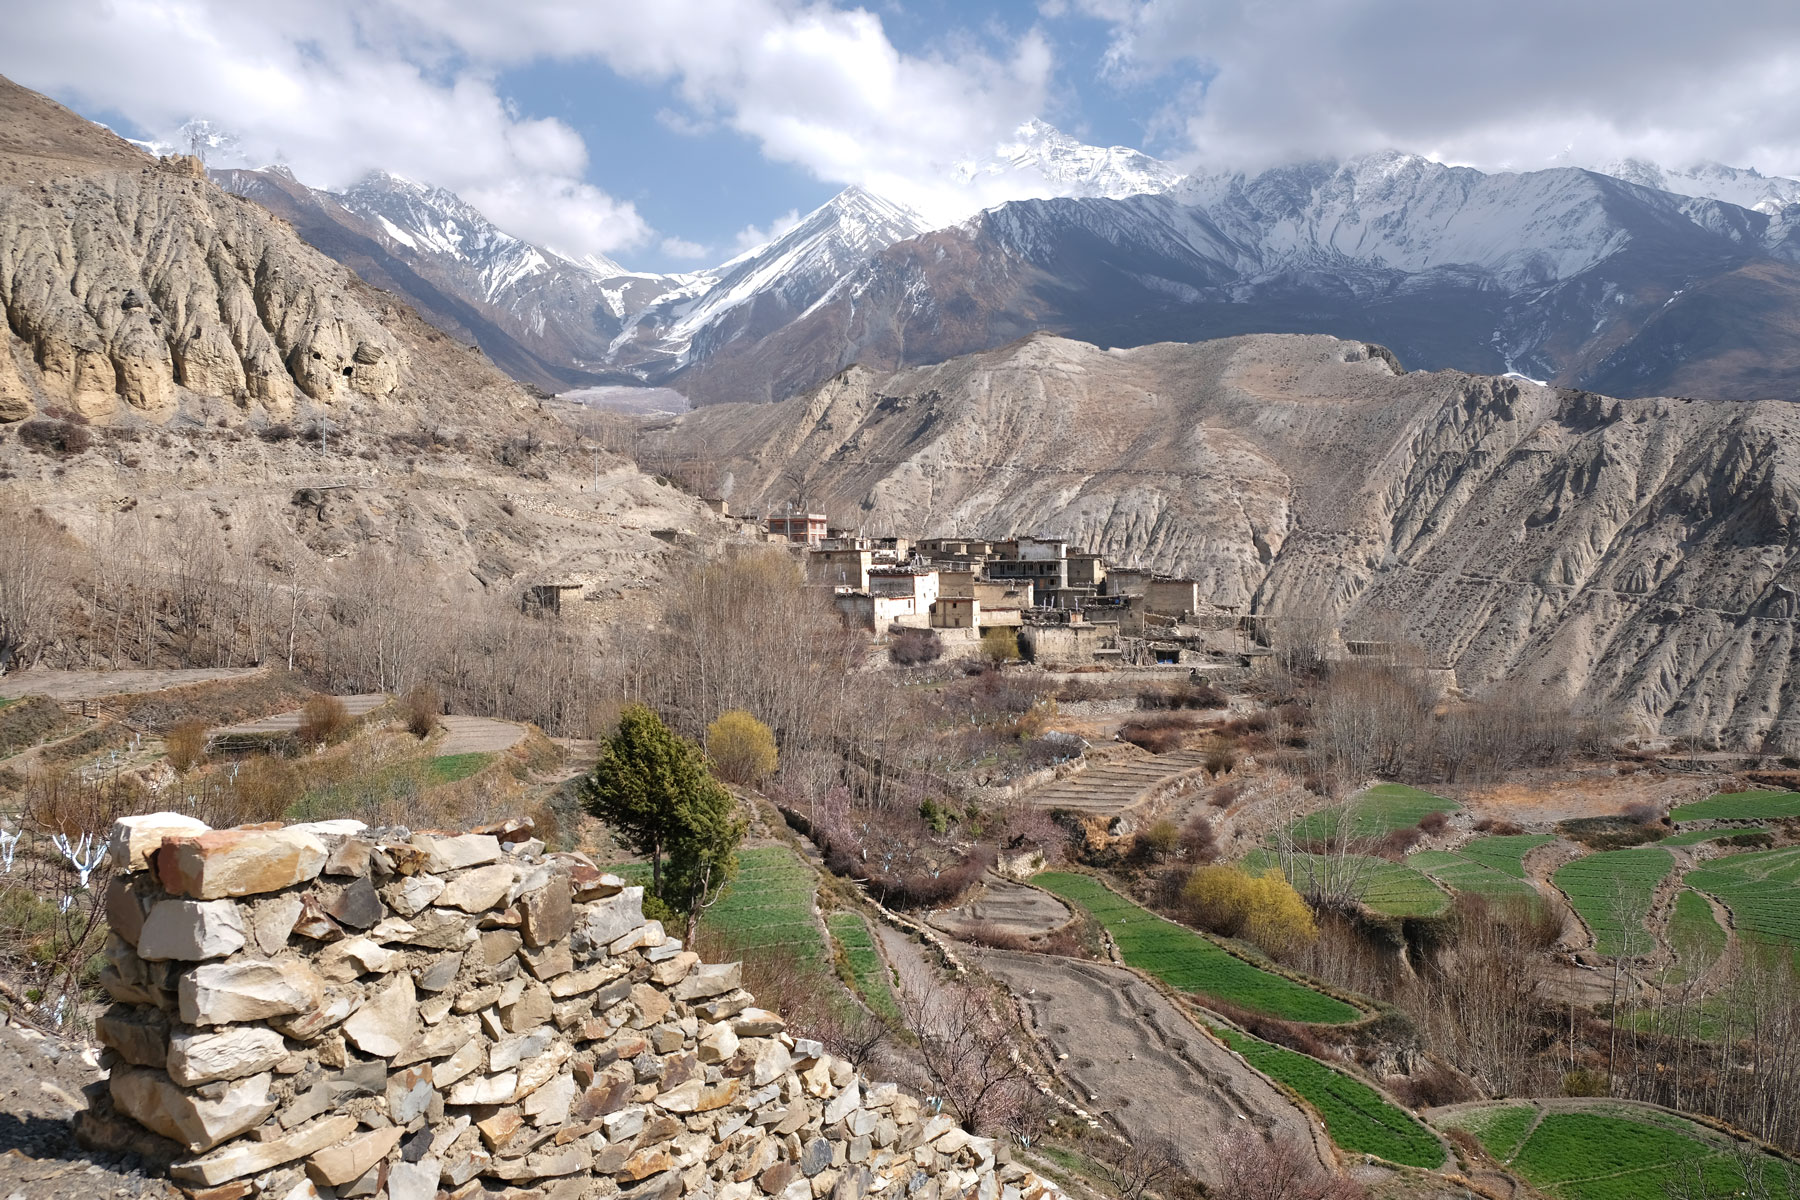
(30, 590)
(967, 1045)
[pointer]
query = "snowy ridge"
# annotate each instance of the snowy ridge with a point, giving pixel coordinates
(1041, 153)
(1744, 187)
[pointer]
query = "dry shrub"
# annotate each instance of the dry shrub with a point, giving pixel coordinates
(915, 648)
(1226, 794)
(323, 720)
(1252, 1168)
(61, 438)
(1157, 842)
(1431, 1085)
(1397, 844)
(261, 788)
(1498, 826)
(1642, 812)
(1159, 734)
(1435, 823)
(186, 745)
(1182, 695)
(420, 708)
(1291, 1034)
(1065, 942)
(61, 802)
(986, 933)
(1199, 841)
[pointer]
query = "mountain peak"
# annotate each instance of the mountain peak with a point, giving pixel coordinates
(1044, 159)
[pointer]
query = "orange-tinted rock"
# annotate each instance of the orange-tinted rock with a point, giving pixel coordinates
(238, 862)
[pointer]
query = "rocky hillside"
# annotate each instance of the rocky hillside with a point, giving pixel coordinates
(1631, 554)
(171, 348)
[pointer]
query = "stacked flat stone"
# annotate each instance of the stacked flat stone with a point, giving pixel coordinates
(324, 1010)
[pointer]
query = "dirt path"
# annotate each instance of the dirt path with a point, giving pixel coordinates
(92, 685)
(1135, 1059)
(289, 722)
(1007, 907)
(477, 735)
(40, 1089)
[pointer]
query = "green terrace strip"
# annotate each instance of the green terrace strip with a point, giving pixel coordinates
(1355, 1115)
(769, 906)
(868, 971)
(1694, 837)
(450, 768)
(1499, 1127)
(1467, 875)
(1389, 889)
(1741, 806)
(1188, 962)
(1611, 891)
(1603, 1155)
(1374, 814)
(1762, 890)
(1505, 852)
(1694, 933)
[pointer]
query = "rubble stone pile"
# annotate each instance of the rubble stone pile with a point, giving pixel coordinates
(325, 1010)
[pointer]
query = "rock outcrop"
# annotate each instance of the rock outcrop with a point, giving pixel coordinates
(326, 1010)
(126, 286)
(1635, 556)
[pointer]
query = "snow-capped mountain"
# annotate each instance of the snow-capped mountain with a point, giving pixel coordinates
(1741, 186)
(1629, 280)
(1566, 274)
(1043, 161)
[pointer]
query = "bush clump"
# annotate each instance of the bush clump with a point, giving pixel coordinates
(915, 648)
(61, 438)
(1266, 909)
(323, 720)
(420, 708)
(742, 748)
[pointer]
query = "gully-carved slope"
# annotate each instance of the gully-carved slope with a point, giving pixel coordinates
(1632, 554)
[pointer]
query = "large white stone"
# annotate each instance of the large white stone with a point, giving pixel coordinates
(250, 1157)
(456, 853)
(198, 1056)
(414, 1181)
(191, 930)
(239, 862)
(389, 1020)
(480, 889)
(246, 989)
(133, 839)
(199, 1123)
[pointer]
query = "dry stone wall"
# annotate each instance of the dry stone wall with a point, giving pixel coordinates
(323, 1010)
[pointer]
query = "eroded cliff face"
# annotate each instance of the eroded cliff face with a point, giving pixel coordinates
(122, 288)
(1634, 555)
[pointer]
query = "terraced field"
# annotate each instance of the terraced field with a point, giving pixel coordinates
(1611, 891)
(1741, 806)
(1465, 874)
(1694, 933)
(1761, 888)
(1355, 1115)
(1374, 814)
(1189, 962)
(1388, 888)
(1116, 786)
(1612, 1151)
(769, 905)
(868, 971)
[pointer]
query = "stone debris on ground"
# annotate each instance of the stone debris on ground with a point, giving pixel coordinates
(325, 1010)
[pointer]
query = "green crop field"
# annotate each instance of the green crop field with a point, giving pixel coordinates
(1695, 837)
(1694, 933)
(1762, 890)
(868, 971)
(1185, 960)
(1391, 889)
(1741, 806)
(1466, 874)
(1610, 1153)
(449, 768)
(1355, 1115)
(1505, 852)
(1499, 1127)
(1612, 890)
(1374, 814)
(769, 905)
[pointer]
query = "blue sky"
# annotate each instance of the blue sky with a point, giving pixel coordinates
(666, 134)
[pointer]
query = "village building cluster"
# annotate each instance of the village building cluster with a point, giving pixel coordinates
(1067, 605)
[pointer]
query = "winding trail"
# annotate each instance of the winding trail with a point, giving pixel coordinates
(1136, 1060)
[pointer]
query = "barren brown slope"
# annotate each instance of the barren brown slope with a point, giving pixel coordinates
(1633, 554)
(192, 330)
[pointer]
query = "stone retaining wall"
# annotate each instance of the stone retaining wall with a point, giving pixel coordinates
(321, 1011)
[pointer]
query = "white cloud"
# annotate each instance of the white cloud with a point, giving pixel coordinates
(301, 85)
(681, 248)
(1519, 84)
(750, 237)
